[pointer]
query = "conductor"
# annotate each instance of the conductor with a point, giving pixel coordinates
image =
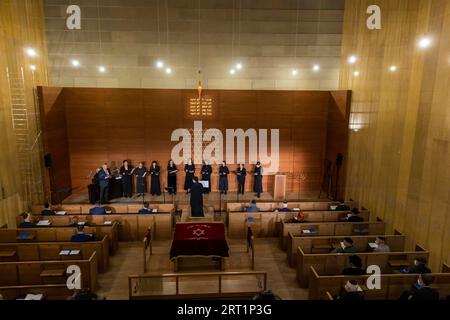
(196, 198)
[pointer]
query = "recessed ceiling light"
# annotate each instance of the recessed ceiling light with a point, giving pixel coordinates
(239, 66)
(33, 67)
(352, 59)
(294, 72)
(75, 63)
(356, 73)
(31, 52)
(393, 68)
(232, 71)
(316, 67)
(102, 69)
(159, 64)
(425, 42)
(168, 70)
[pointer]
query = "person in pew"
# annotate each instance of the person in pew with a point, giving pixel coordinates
(346, 246)
(267, 295)
(351, 292)
(145, 209)
(47, 210)
(74, 222)
(342, 206)
(354, 216)
(27, 221)
(380, 245)
(355, 267)
(421, 290)
(223, 178)
(172, 177)
(284, 208)
(98, 209)
(420, 266)
(252, 207)
(155, 186)
(81, 236)
(83, 294)
(298, 218)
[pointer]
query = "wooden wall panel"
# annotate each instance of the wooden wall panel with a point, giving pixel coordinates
(110, 125)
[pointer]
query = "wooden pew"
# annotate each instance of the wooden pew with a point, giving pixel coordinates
(42, 251)
(331, 229)
(60, 234)
(131, 227)
(25, 273)
(270, 222)
(114, 208)
(392, 285)
(273, 205)
(49, 291)
(311, 245)
(334, 263)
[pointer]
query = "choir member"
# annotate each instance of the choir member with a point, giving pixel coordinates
(196, 200)
(206, 176)
(141, 183)
(104, 176)
(189, 168)
(172, 177)
(155, 188)
(257, 188)
(223, 178)
(125, 172)
(241, 173)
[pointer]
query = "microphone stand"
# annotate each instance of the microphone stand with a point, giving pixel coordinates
(164, 194)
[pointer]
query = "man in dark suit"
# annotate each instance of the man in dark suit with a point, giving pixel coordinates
(145, 209)
(103, 177)
(352, 292)
(80, 236)
(74, 222)
(47, 210)
(252, 207)
(354, 216)
(97, 210)
(421, 289)
(27, 221)
(346, 247)
(342, 206)
(355, 267)
(420, 266)
(285, 207)
(196, 200)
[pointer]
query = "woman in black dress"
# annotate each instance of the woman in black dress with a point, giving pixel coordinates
(206, 176)
(155, 188)
(125, 172)
(257, 188)
(141, 180)
(172, 177)
(223, 178)
(189, 168)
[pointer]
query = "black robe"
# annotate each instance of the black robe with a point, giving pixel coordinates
(197, 200)
(190, 171)
(172, 178)
(206, 176)
(155, 188)
(127, 187)
(223, 178)
(257, 187)
(241, 174)
(141, 182)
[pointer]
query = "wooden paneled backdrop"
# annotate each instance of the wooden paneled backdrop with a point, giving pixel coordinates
(399, 157)
(110, 125)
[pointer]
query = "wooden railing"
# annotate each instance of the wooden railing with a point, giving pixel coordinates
(155, 285)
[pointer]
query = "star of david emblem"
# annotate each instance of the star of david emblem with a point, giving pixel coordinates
(198, 232)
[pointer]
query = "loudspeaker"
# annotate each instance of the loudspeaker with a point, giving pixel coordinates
(339, 159)
(48, 160)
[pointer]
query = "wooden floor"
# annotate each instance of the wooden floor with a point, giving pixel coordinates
(269, 258)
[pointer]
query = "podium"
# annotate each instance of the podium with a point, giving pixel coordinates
(279, 188)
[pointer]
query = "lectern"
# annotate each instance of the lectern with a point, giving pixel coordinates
(279, 189)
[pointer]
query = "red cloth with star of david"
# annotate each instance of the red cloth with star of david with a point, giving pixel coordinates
(203, 239)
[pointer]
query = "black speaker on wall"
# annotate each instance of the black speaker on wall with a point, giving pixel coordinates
(48, 160)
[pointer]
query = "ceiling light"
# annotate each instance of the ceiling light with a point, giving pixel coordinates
(316, 67)
(425, 42)
(393, 68)
(352, 59)
(75, 63)
(356, 73)
(159, 64)
(31, 52)
(232, 71)
(239, 66)
(33, 67)
(168, 70)
(294, 72)
(102, 69)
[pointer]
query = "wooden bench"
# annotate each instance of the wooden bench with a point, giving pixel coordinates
(325, 244)
(273, 205)
(334, 263)
(32, 273)
(330, 229)
(49, 291)
(60, 234)
(131, 227)
(42, 251)
(392, 285)
(271, 221)
(119, 208)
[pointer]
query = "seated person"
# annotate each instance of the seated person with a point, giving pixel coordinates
(346, 247)
(342, 206)
(421, 289)
(420, 266)
(298, 218)
(145, 209)
(285, 207)
(74, 222)
(266, 295)
(354, 216)
(80, 236)
(252, 207)
(83, 294)
(381, 245)
(27, 221)
(98, 209)
(355, 267)
(352, 292)
(47, 210)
